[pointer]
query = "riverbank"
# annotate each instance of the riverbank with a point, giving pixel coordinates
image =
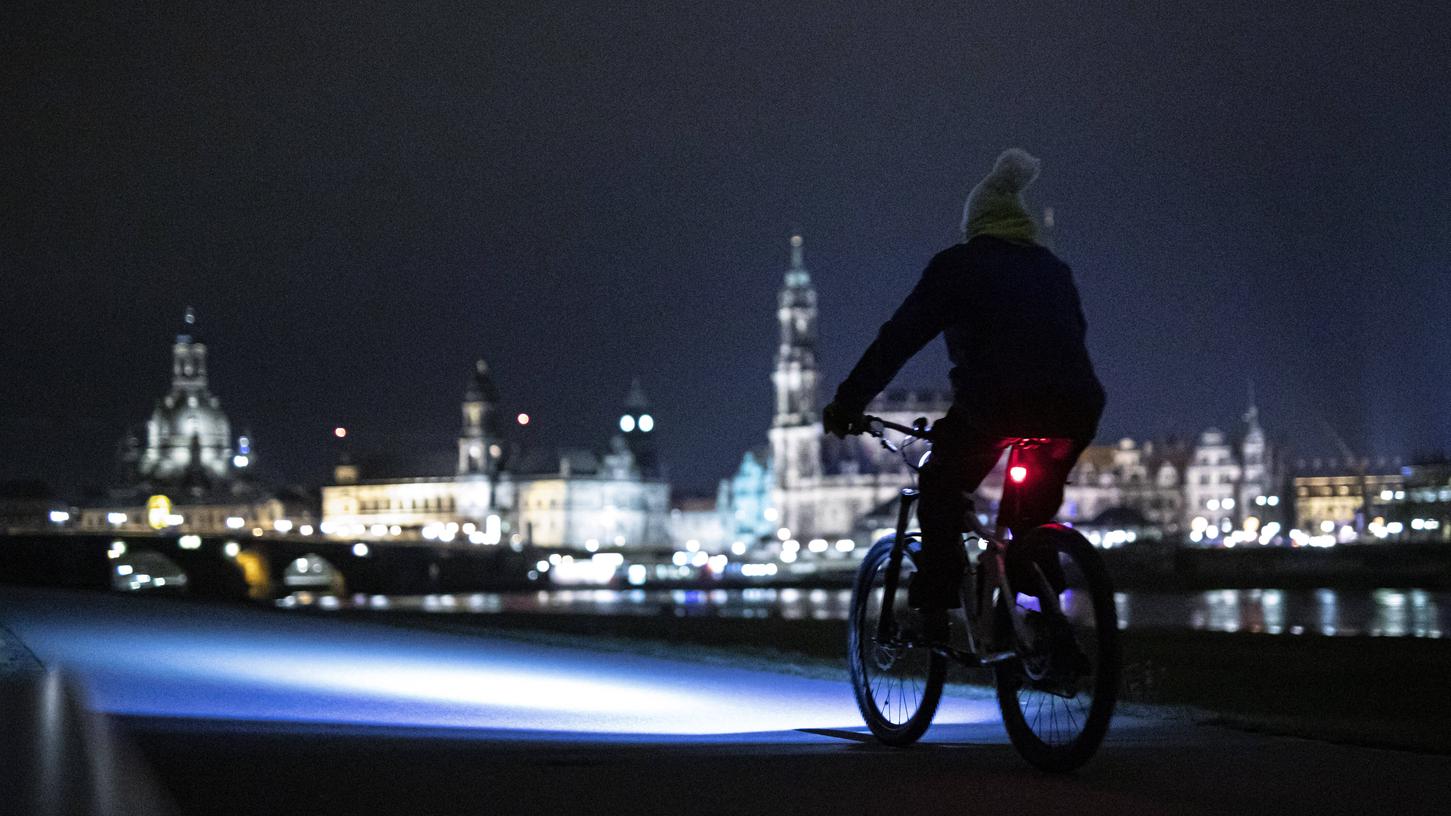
(1350, 566)
(1377, 692)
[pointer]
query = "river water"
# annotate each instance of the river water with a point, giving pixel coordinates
(1381, 612)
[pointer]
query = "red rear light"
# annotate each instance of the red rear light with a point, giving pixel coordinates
(1017, 473)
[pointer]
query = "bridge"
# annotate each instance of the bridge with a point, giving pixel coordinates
(258, 567)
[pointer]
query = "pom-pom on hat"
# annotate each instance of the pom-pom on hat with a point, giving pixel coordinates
(995, 206)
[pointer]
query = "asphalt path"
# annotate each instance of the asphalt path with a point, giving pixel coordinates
(250, 710)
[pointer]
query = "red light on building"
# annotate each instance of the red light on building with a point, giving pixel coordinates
(1017, 473)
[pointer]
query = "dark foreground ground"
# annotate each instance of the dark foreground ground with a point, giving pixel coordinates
(1166, 768)
(248, 710)
(1371, 691)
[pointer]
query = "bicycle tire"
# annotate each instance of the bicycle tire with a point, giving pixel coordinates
(904, 720)
(1021, 698)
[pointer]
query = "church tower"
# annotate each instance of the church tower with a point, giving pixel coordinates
(795, 437)
(1256, 480)
(637, 425)
(478, 441)
(795, 375)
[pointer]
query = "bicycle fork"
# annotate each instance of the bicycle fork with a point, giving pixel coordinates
(887, 623)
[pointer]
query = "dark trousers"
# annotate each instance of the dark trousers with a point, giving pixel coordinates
(962, 456)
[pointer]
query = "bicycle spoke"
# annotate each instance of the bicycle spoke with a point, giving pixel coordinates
(1072, 720)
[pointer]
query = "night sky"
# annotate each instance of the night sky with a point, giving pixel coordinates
(360, 200)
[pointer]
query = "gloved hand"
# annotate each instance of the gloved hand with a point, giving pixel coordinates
(841, 422)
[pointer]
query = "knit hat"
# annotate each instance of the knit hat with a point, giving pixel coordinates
(995, 205)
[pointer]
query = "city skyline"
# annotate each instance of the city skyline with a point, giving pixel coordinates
(439, 440)
(354, 234)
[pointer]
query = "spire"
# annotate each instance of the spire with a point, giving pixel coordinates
(797, 274)
(636, 397)
(481, 386)
(188, 326)
(1252, 414)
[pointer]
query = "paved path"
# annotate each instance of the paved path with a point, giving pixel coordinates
(262, 711)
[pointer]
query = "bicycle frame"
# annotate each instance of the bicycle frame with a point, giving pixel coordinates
(991, 572)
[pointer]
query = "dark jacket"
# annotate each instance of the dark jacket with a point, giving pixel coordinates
(1014, 328)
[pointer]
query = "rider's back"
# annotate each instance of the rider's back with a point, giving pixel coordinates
(1020, 365)
(1012, 319)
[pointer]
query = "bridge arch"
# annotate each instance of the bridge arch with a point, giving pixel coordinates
(145, 570)
(313, 573)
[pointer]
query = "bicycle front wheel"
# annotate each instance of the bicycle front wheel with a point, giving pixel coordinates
(1058, 695)
(897, 684)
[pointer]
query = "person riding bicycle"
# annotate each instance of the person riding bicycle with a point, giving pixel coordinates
(1015, 335)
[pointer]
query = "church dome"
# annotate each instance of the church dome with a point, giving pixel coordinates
(187, 432)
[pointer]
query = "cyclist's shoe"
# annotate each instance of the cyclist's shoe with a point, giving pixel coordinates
(925, 627)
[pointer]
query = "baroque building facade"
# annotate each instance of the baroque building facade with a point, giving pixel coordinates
(187, 432)
(498, 492)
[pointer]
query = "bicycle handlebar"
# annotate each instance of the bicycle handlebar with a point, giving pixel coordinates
(920, 433)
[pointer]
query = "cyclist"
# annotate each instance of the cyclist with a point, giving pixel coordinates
(1014, 327)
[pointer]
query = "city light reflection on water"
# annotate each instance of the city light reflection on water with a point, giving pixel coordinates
(1380, 613)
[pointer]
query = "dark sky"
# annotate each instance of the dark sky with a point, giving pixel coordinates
(361, 199)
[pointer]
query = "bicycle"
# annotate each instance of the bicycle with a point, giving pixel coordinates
(1040, 614)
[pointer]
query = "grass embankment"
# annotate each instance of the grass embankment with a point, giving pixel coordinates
(1385, 692)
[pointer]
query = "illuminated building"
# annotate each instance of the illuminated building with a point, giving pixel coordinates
(188, 437)
(1330, 495)
(1423, 511)
(498, 492)
(207, 479)
(695, 523)
(1128, 485)
(743, 503)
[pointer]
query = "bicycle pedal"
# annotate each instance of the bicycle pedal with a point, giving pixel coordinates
(954, 653)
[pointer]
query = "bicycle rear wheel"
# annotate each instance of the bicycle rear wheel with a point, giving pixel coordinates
(897, 685)
(1058, 695)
